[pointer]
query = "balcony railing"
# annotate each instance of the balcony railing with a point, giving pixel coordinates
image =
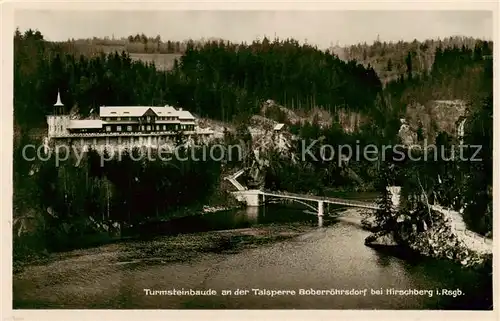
(129, 134)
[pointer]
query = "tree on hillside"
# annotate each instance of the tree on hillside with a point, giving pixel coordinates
(385, 217)
(479, 171)
(409, 65)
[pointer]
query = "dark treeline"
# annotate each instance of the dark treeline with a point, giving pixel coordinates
(217, 80)
(457, 73)
(138, 43)
(390, 59)
(41, 68)
(81, 199)
(299, 77)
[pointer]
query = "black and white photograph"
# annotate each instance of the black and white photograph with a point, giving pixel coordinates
(265, 159)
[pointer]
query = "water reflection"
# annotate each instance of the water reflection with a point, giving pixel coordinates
(382, 259)
(252, 214)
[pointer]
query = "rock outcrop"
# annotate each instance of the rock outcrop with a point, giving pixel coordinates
(433, 117)
(381, 239)
(406, 134)
(442, 240)
(349, 121)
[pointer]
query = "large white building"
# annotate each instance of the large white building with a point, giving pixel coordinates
(129, 126)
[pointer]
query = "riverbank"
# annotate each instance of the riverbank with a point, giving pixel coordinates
(447, 238)
(177, 248)
(443, 241)
(362, 218)
(111, 232)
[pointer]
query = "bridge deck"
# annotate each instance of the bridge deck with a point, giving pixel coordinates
(331, 200)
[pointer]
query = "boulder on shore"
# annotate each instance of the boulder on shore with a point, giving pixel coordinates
(382, 238)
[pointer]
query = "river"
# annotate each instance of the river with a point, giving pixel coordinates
(331, 256)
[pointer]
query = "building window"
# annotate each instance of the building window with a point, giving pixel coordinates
(142, 127)
(118, 118)
(129, 128)
(108, 128)
(108, 118)
(164, 127)
(130, 118)
(148, 127)
(157, 127)
(119, 128)
(148, 118)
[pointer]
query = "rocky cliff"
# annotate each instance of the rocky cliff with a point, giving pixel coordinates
(430, 119)
(348, 120)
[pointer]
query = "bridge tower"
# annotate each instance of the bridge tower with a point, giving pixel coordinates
(249, 197)
(321, 208)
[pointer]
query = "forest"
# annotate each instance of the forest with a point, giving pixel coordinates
(229, 82)
(218, 80)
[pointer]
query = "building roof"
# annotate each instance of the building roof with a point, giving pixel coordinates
(137, 111)
(85, 123)
(184, 114)
(279, 126)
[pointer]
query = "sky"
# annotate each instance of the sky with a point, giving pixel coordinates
(321, 28)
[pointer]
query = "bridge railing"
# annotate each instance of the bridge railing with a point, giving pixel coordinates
(333, 200)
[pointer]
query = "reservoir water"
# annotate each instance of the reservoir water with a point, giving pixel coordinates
(331, 257)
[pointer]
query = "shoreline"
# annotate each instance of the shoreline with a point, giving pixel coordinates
(182, 247)
(18, 264)
(443, 240)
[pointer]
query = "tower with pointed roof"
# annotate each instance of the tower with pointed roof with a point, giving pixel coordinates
(59, 106)
(58, 121)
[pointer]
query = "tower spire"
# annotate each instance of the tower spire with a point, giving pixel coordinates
(58, 102)
(59, 105)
